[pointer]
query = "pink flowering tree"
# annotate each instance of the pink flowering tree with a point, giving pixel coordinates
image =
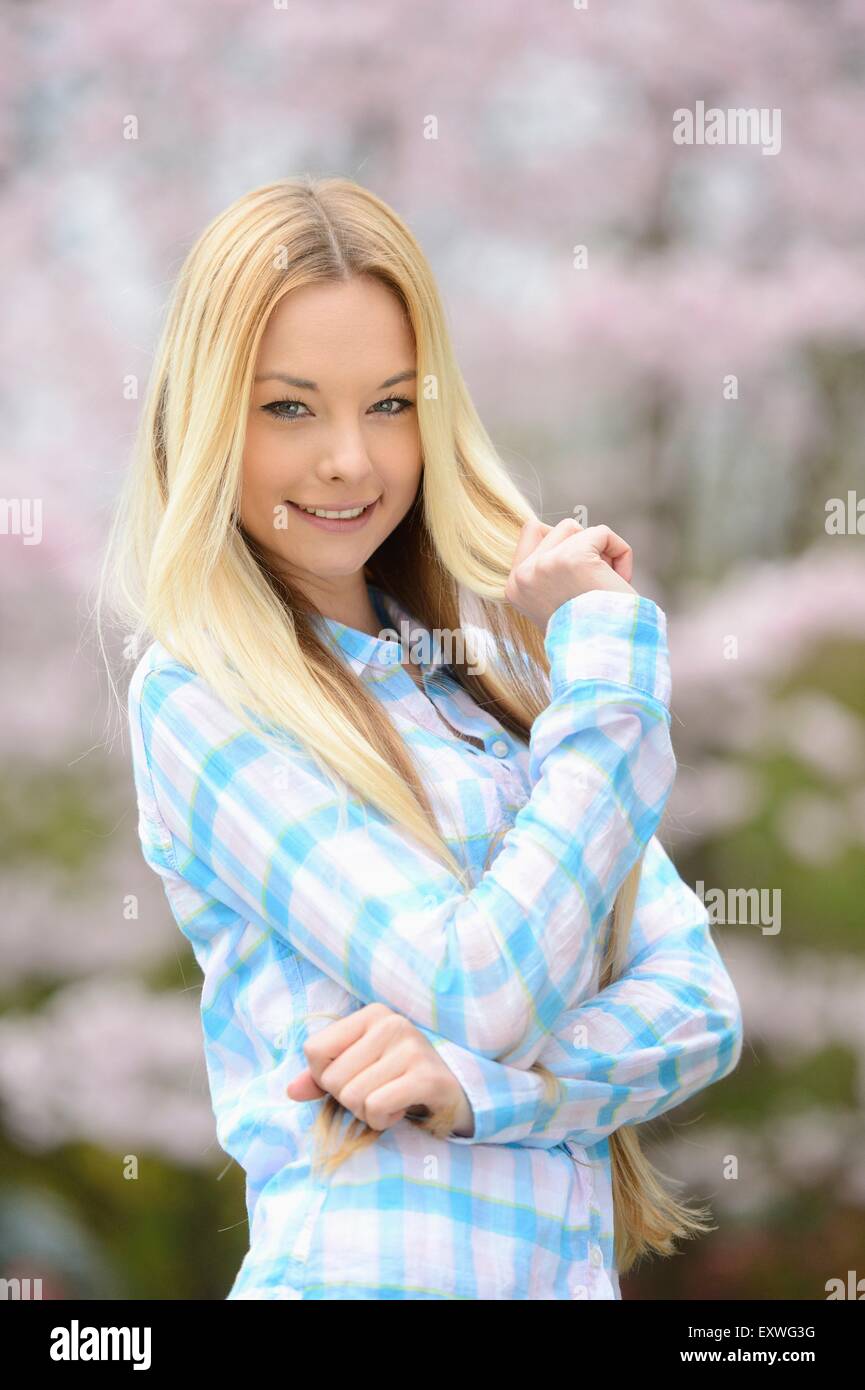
(668, 334)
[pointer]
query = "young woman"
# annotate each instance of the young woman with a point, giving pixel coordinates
(401, 752)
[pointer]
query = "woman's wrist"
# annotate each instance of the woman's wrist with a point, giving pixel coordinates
(464, 1121)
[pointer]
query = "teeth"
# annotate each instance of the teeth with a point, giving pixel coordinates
(320, 511)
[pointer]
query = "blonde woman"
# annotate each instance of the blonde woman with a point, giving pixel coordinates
(401, 752)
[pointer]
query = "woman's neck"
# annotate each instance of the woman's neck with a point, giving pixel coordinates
(346, 601)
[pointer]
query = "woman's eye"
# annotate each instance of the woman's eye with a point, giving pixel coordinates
(394, 400)
(283, 409)
(276, 409)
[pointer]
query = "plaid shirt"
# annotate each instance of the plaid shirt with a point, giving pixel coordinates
(295, 896)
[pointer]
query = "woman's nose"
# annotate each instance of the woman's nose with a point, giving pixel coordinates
(346, 454)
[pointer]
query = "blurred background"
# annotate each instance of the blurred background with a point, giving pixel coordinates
(671, 335)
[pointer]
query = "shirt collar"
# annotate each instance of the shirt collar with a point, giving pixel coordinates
(361, 649)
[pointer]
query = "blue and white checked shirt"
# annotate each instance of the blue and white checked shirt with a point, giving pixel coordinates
(292, 907)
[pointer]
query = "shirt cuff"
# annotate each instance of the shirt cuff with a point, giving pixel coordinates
(495, 1108)
(608, 635)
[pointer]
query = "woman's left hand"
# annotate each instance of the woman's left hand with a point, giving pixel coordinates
(378, 1065)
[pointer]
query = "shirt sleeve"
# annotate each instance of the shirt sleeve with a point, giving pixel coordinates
(668, 1026)
(266, 833)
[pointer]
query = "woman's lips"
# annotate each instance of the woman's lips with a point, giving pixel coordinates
(333, 523)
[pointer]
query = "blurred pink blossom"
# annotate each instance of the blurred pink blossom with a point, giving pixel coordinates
(106, 1061)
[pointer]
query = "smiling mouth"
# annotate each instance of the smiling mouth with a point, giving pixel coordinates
(336, 518)
(335, 513)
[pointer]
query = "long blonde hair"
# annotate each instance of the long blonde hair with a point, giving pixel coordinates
(180, 568)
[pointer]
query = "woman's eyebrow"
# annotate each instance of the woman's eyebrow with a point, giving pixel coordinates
(306, 385)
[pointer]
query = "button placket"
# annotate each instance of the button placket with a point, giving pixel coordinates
(426, 711)
(439, 723)
(432, 687)
(495, 743)
(303, 1239)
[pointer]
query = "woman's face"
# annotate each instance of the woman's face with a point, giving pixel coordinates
(332, 424)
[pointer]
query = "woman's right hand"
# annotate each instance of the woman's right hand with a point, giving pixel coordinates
(555, 563)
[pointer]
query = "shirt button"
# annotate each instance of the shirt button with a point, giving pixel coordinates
(596, 1255)
(500, 748)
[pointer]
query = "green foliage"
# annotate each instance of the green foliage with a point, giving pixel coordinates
(171, 1233)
